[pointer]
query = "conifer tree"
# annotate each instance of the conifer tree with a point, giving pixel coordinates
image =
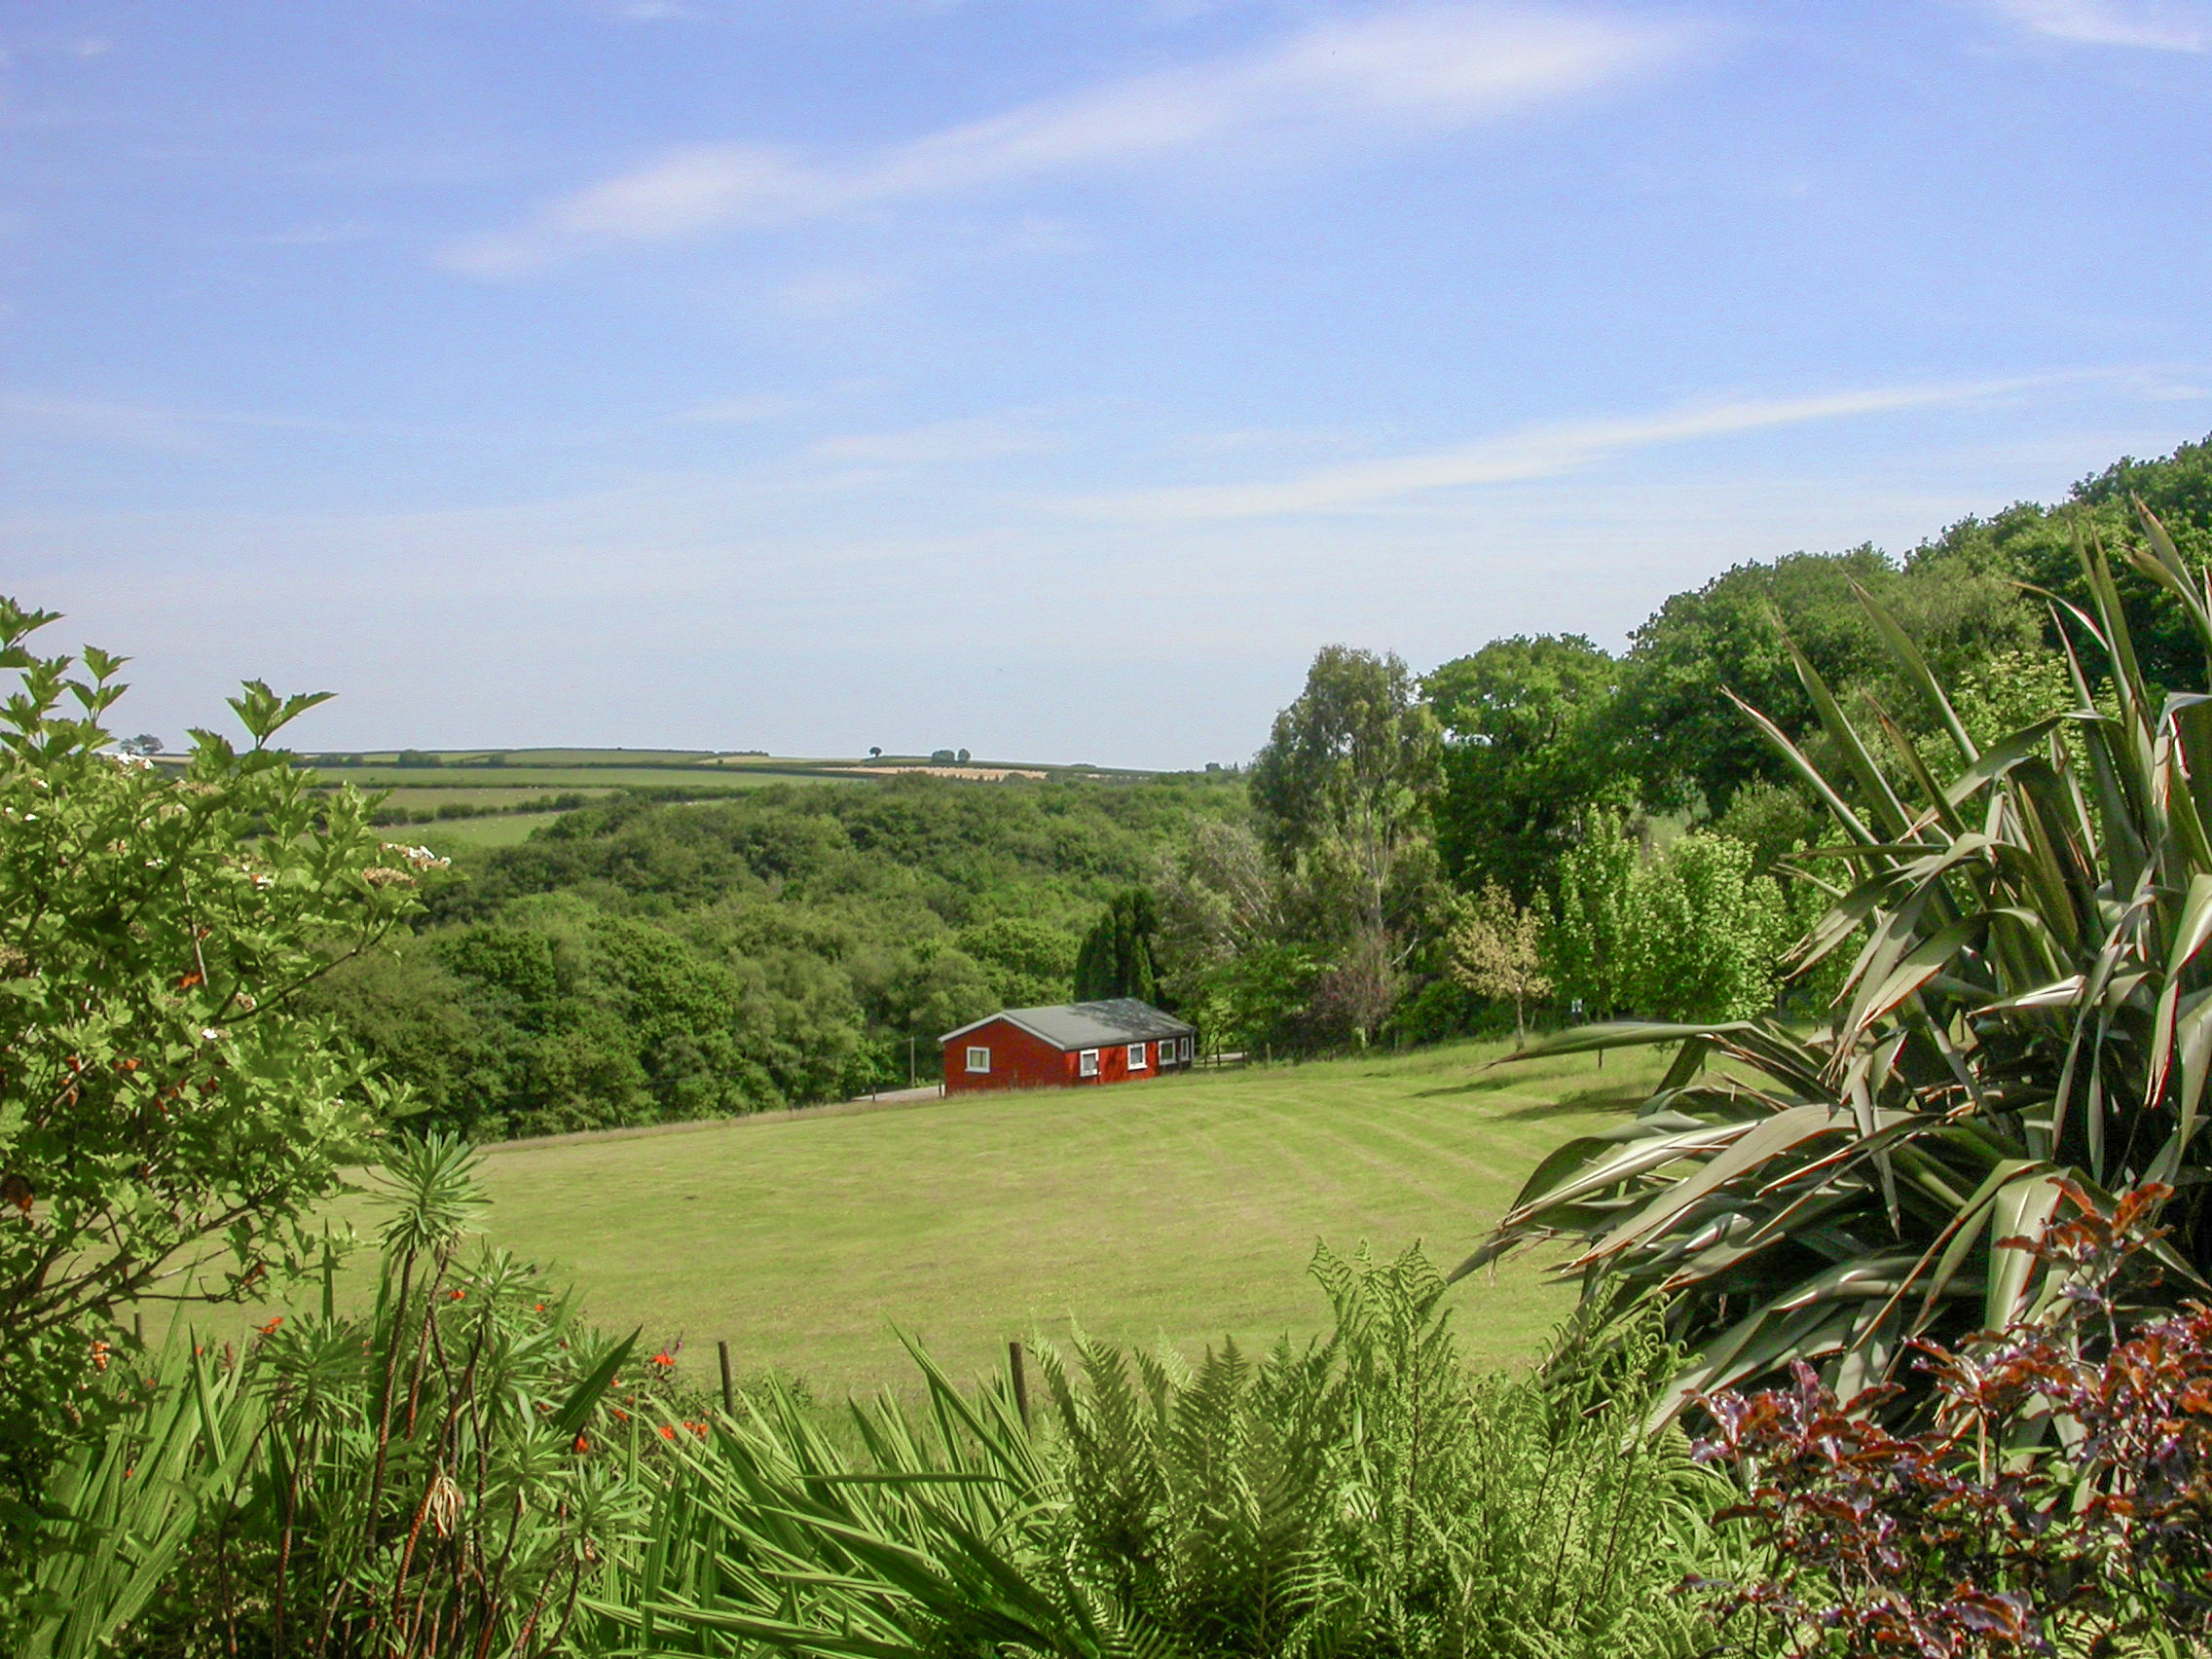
(1120, 955)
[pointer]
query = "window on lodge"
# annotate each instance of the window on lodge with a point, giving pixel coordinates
(1087, 1063)
(979, 1059)
(1136, 1056)
(1183, 1049)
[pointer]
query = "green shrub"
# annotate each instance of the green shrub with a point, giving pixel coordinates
(167, 1117)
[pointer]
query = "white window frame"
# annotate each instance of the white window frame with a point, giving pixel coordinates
(973, 1050)
(1138, 1053)
(1087, 1063)
(1183, 1049)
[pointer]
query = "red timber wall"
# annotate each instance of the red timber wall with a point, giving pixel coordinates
(1019, 1060)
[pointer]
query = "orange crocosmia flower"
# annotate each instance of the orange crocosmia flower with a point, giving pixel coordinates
(270, 1329)
(455, 1295)
(665, 1432)
(582, 1444)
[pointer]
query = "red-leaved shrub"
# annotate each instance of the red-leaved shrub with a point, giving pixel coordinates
(2059, 1499)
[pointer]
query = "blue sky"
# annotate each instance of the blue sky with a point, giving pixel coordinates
(1048, 379)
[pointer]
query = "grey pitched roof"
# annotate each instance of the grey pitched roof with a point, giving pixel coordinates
(1088, 1024)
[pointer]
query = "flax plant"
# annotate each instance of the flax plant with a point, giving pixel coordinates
(2028, 1004)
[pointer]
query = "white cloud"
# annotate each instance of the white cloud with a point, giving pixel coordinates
(1402, 71)
(2164, 25)
(1536, 452)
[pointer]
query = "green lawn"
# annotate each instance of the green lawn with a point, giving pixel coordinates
(1185, 1208)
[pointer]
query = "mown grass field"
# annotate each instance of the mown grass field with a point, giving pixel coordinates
(1185, 1209)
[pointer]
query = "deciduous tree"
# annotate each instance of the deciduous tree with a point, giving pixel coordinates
(1498, 952)
(1526, 750)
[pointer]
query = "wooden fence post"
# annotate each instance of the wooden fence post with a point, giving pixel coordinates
(1014, 1361)
(730, 1388)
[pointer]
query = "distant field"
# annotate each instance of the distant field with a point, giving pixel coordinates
(431, 796)
(1186, 1209)
(504, 831)
(562, 779)
(550, 757)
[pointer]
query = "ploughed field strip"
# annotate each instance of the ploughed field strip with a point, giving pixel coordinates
(1186, 1206)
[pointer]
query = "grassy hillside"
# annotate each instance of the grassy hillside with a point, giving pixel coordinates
(1185, 1207)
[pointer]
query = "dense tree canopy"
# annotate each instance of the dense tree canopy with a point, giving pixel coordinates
(2036, 544)
(1526, 724)
(1347, 778)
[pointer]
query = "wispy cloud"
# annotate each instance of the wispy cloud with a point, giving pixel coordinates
(2162, 26)
(180, 431)
(942, 442)
(1535, 452)
(1401, 71)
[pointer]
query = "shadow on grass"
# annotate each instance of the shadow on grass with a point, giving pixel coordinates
(1600, 1097)
(1488, 1081)
(1545, 1075)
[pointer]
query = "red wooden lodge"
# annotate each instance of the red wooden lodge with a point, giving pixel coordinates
(1064, 1047)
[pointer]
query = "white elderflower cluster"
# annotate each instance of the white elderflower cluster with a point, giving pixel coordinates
(422, 858)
